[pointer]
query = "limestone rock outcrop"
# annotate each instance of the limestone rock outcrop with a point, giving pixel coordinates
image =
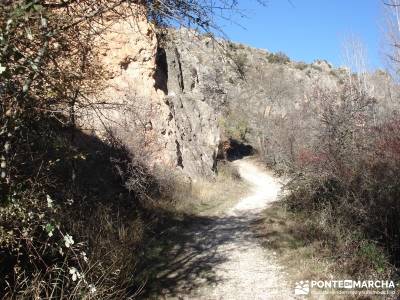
(145, 105)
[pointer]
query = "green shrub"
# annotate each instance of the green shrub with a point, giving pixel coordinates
(315, 67)
(372, 256)
(240, 61)
(333, 73)
(278, 58)
(234, 127)
(301, 66)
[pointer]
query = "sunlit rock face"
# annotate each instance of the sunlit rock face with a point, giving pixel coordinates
(229, 77)
(144, 107)
(253, 87)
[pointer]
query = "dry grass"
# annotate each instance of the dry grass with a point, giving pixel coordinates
(311, 251)
(303, 257)
(211, 197)
(184, 204)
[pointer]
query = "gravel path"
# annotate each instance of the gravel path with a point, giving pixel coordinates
(223, 259)
(251, 272)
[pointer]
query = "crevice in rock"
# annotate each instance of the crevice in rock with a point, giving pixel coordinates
(124, 64)
(195, 78)
(215, 161)
(161, 73)
(180, 73)
(179, 161)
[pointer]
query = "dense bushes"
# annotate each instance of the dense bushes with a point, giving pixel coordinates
(348, 178)
(71, 205)
(48, 63)
(65, 232)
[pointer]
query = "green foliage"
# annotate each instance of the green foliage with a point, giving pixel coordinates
(333, 73)
(315, 67)
(301, 66)
(240, 60)
(278, 58)
(372, 255)
(231, 46)
(43, 255)
(234, 127)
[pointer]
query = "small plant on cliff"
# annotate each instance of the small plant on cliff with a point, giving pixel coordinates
(278, 58)
(301, 66)
(240, 61)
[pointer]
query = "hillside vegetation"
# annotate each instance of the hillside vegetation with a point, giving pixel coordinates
(103, 149)
(338, 144)
(336, 138)
(77, 202)
(331, 131)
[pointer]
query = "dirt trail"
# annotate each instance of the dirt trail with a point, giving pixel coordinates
(251, 272)
(221, 258)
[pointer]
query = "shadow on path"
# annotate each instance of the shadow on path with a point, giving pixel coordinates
(184, 257)
(217, 257)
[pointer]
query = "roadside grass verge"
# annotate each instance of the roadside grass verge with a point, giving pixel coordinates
(303, 251)
(311, 250)
(208, 197)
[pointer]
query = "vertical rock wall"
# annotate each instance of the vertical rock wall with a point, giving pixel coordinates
(146, 105)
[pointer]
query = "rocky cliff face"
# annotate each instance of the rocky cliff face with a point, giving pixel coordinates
(249, 87)
(173, 94)
(146, 104)
(253, 83)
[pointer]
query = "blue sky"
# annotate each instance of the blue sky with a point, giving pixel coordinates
(311, 29)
